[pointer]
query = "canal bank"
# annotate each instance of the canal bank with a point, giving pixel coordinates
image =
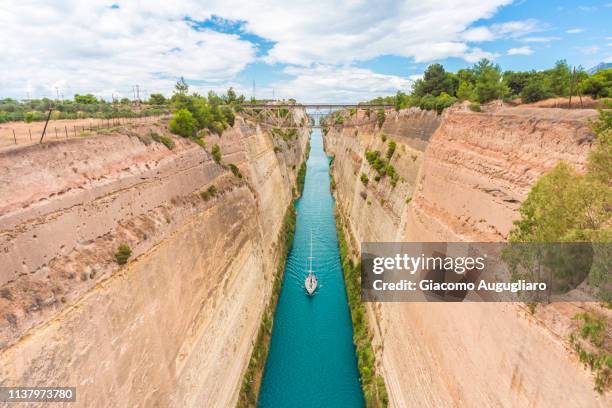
(311, 361)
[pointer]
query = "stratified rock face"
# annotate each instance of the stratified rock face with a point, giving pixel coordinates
(173, 327)
(479, 167)
(377, 210)
(464, 183)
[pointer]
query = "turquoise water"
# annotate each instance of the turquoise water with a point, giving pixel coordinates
(312, 360)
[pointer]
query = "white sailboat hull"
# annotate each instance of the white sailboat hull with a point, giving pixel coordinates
(311, 284)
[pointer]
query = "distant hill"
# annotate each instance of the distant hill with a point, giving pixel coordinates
(599, 67)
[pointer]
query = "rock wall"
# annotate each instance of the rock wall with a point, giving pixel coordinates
(463, 176)
(176, 324)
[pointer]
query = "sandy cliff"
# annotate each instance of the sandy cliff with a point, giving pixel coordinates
(173, 327)
(463, 176)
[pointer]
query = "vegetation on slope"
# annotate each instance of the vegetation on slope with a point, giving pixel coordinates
(251, 383)
(381, 165)
(194, 112)
(123, 254)
(485, 81)
(301, 176)
(592, 344)
(372, 383)
(565, 206)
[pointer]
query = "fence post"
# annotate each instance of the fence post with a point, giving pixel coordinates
(45, 128)
(30, 131)
(66, 128)
(14, 137)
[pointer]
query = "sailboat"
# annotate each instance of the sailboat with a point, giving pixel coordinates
(311, 280)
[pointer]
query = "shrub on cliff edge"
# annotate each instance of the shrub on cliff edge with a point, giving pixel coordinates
(216, 153)
(183, 123)
(123, 254)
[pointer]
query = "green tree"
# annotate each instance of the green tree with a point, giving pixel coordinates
(183, 123)
(85, 99)
(517, 81)
(435, 81)
(562, 206)
(181, 86)
(598, 85)
(534, 91)
(465, 91)
(558, 78)
(488, 81)
(565, 206)
(157, 99)
(230, 97)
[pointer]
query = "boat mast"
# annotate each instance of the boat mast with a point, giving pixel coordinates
(310, 257)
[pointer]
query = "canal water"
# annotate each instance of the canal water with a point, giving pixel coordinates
(312, 360)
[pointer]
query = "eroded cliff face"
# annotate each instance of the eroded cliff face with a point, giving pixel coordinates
(176, 324)
(463, 176)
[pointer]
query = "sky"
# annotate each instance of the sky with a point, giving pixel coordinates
(313, 51)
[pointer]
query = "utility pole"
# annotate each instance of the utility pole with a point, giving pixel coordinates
(137, 93)
(57, 92)
(571, 87)
(253, 95)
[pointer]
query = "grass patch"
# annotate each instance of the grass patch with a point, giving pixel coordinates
(123, 254)
(165, 140)
(286, 135)
(216, 153)
(590, 342)
(199, 141)
(235, 170)
(364, 179)
(209, 193)
(301, 176)
(475, 107)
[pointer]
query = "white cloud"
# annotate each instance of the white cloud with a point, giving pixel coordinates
(520, 51)
(589, 49)
(539, 39)
(587, 8)
(510, 29)
(88, 46)
(575, 30)
(331, 83)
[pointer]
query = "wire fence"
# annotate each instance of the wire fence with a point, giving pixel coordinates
(23, 133)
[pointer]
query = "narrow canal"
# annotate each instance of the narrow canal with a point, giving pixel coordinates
(311, 362)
